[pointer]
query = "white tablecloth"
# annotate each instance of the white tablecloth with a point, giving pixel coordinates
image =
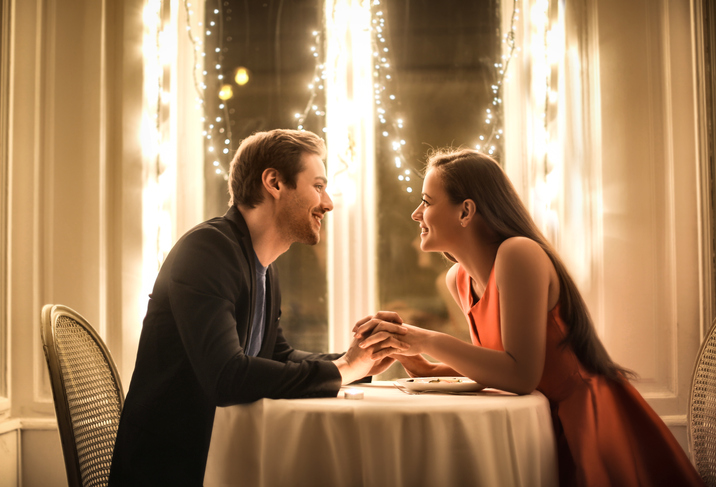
(388, 438)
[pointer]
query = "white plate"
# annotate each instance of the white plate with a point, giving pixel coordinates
(439, 384)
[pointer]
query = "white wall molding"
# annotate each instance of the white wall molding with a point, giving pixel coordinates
(19, 424)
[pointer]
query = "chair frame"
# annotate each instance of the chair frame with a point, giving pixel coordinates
(689, 433)
(50, 315)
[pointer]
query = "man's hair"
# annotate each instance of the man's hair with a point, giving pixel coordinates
(276, 149)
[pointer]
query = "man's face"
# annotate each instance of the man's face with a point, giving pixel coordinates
(301, 213)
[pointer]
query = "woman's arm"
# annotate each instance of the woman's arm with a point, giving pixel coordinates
(523, 273)
(419, 366)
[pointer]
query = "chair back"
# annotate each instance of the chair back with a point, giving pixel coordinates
(87, 392)
(702, 410)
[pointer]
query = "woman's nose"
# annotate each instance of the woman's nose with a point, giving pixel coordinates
(417, 214)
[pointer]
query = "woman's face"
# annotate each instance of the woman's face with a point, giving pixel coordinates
(439, 217)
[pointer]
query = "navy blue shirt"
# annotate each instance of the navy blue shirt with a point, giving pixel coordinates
(257, 326)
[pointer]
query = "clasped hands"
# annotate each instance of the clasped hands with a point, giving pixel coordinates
(378, 341)
(384, 334)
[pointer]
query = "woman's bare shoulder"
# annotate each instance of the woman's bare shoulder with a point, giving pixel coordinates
(520, 252)
(451, 279)
(452, 272)
(451, 282)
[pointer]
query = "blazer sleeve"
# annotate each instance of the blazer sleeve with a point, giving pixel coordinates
(209, 287)
(283, 352)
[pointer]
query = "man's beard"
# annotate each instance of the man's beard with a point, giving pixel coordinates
(302, 231)
(298, 226)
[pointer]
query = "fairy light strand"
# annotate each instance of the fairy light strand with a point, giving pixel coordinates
(494, 119)
(217, 129)
(389, 127)
(317, 85)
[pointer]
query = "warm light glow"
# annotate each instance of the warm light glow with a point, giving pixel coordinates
(242, 76)
(159, 50)
(349, 98)
(226, 92)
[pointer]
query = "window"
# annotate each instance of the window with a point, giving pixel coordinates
(4, 184)
(443, 57)
(266, 63)
(261, 73)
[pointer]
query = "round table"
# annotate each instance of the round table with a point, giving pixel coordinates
(388, 438)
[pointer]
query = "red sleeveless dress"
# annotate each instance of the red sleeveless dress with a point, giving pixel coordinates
(607, 434)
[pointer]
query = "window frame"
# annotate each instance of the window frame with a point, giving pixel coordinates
(5, 25)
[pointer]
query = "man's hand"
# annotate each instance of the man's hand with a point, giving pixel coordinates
(359, 362)
(380, 366)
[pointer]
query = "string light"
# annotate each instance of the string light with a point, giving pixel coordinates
(493, 116)
(209, 64)
(316, 87)
(389, 126)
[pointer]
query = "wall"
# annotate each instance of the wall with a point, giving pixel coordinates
(74, 199)
(626, 211)
(648, 296)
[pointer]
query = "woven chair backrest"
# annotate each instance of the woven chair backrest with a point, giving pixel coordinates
(702, 410)
(88, 395)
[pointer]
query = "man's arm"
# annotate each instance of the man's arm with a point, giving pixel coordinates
(209, 288)
(284, 352)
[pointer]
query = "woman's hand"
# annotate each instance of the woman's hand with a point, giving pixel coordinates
(417, 365)
(406, 339)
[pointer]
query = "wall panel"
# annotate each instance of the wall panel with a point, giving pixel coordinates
(649, 188)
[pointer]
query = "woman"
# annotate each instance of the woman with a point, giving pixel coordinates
(530, 329)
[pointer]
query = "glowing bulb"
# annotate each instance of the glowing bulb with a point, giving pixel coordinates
(242, 76)
(225, 93)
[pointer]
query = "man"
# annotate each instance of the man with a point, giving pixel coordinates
(211, 336)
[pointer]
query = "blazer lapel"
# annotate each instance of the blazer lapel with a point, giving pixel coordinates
(243, 237)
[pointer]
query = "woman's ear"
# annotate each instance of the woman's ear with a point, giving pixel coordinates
(467, 212)
(272, 182)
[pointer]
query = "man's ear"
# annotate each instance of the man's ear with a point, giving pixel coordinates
(272, 182)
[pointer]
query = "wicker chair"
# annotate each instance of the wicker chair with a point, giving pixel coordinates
(87, 391)
(702, 410)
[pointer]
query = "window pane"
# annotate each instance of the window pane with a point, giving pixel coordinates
(442, 70)
(268, 44)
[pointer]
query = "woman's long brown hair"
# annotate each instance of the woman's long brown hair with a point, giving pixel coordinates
(468, 174)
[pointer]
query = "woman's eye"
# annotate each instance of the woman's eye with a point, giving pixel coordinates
(425, 203)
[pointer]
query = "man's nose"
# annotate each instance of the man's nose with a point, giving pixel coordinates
(326, 202)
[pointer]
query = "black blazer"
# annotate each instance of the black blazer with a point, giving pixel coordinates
(191, 356)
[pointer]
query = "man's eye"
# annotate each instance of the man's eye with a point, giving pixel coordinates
(319, 187)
